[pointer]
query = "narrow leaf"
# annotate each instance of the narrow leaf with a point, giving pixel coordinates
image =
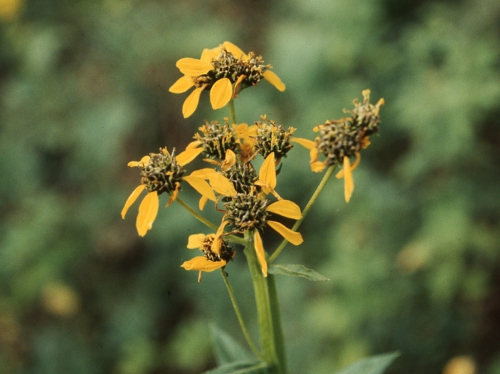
(226, 348)
(242, 367)
(371, 365)
(297, 271)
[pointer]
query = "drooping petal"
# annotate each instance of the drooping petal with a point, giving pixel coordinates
(217, 243)
(272, 78)
(221, 93)
(202, 263)
(259, 250)
(285, 208)
(193, 67)
(267, 172)
(174, 195)
(292, 236)
(147, 213)
(346, 173)
(191, 102)
(203, 202)
(188, 155)
(182, 85)
(306, 143)
(195, 241)
(236, 51)
(221, 184)
(200, 185)
(144, 161)
(132, 198)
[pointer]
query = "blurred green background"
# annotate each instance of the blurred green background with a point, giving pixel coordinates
(413, 258)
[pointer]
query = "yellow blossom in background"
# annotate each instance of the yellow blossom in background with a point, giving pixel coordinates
(10, 9)
(224, 71)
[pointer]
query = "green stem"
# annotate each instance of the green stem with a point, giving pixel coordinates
(196, 214)
(232, 112)
(271, 339)
(312, 200)
(238, 315)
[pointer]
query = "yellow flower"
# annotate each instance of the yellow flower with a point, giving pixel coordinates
(216, 252)
(162, 172)
(339, 140)
(249, 211)
(224, 71)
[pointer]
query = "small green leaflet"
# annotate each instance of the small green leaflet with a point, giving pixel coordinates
(227, 350)
(241, 367)
(293, 270)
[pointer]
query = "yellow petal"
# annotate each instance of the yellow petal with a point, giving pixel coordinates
(191, 102)
(236, 51)
(132, 198)
(174, 195)
(193, 67)
(259, 250)
(210, 54)
(292, 236)
(182, 85)
(188, 155)
(348, 180)
(285, 208)
(147, 213)
(200, 185)
(318, 166)
(306, 143)
(195, 241)
(144, 161)
(220, 93)
(202, 173)
(229, 160)
(272, 78)
(216, 245)
(267, 172)
(221, 184)
(203, 201)
(203, 264)
(193, 144)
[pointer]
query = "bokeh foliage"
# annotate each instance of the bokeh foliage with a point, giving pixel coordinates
(413, 258)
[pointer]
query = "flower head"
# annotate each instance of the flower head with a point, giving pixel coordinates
(250, 210)
(162, 173)
(224, 71)
(340, 140)
(216, 252)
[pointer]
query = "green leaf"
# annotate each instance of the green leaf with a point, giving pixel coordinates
(371, 365)
(226, 348)
(242, 367)
(297, 271)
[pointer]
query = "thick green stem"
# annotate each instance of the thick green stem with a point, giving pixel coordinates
(238, 314)
(271, 337)
(312, 200)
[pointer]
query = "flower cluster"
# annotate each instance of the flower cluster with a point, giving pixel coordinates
(245, 197)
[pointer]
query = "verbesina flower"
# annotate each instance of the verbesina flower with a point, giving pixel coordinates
(224, 71)
(163, 172)
(216, 252)
(340, 140)
(249, 211)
